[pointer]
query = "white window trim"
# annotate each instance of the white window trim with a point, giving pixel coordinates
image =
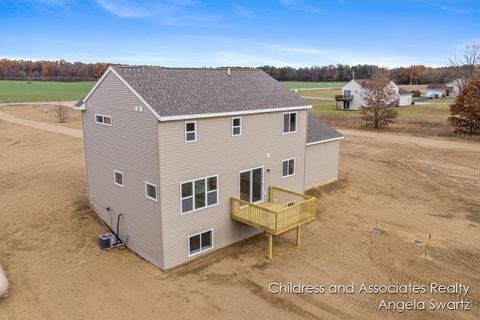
(114, 181)
(103, 123)
(240, 126)
(185, 130)
(294, 168)
(201, 251)
(193, 194)
(251, 182)
(283, 122)
(156, 191)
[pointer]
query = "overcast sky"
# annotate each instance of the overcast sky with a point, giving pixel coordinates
(239, 33)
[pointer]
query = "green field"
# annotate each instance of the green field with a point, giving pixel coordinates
(310, 85)
(430, 112)
(323, 93)
(22, 91)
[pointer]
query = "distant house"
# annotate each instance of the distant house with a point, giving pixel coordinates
(186, 161)
(406, 97)
(438, 90)
(457, 85)
(352, 95)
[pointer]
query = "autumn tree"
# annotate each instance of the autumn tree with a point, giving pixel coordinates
(466, 110)
(379, 98)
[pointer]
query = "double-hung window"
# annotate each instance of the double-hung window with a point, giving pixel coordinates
(199, 194)
(200, 242)
(288, 168)
(289, 122)
(190, 131)
(236, 126)
(103, 119)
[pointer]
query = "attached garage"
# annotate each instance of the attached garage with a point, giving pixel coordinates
(322, 153)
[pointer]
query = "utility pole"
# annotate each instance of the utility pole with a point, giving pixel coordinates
(411, 75)
(353, 74)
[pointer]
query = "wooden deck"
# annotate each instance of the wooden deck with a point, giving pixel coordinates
(283, 211)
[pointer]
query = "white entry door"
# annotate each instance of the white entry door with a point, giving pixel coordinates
(251, 185)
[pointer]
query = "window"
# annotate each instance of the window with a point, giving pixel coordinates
(200, 242)
(198, 194)
(288, 168)
(103, 119)
(190, 131)
(118, 178)
(289, 122)
(236, 126)
(150, 191)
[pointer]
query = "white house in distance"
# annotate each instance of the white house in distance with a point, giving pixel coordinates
(351, 97)
(438, 90)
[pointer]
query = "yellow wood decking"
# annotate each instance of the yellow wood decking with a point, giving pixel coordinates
(283, 211)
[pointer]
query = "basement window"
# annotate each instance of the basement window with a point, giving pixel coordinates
(288, 168)
(199, 194)
(118, 178)
(200, 242)
(103, 119)
(190, 131)
(236, 126)
(150, 191)
(289, 122)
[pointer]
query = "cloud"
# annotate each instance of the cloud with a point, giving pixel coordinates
(165, 12)
(297, 49)
(446, 5)
(242, 11)
(298, 5)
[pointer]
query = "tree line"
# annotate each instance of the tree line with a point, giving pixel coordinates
(417, 74)
(61, 70)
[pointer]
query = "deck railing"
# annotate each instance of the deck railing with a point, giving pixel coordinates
(284, 210)
(343, 97)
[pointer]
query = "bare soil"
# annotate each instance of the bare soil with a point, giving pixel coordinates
(44, 113)
(412, 188)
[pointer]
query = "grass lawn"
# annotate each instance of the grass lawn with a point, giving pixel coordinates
(324, 93)
(307, 85)
(431, 112)
(21, 91)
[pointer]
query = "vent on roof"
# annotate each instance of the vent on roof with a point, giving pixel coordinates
(228, 72)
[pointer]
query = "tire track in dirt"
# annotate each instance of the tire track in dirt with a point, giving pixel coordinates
(402, 276)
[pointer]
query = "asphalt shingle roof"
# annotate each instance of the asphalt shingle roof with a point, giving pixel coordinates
(188, 91)
(403, 91)
(317, 130)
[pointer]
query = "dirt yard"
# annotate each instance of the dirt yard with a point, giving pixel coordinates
(412, 188)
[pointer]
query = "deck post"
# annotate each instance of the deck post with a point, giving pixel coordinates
(298, 236)
(270, 245)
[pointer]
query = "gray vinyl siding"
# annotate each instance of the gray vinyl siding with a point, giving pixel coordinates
(130, 145)
(216, 152)
(321, 165)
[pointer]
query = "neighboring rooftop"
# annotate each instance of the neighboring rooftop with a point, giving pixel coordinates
(437, 86)
(188, 91)
(361, 82)
(403, 91)
(317, 130)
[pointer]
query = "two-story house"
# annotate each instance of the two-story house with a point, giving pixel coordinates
(352, 95)
(190, 160)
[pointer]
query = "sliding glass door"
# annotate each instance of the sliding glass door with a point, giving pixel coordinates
(251, 185)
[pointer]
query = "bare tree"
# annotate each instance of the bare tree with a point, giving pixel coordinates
(379, 97)
(467, 66)
(62, 112)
